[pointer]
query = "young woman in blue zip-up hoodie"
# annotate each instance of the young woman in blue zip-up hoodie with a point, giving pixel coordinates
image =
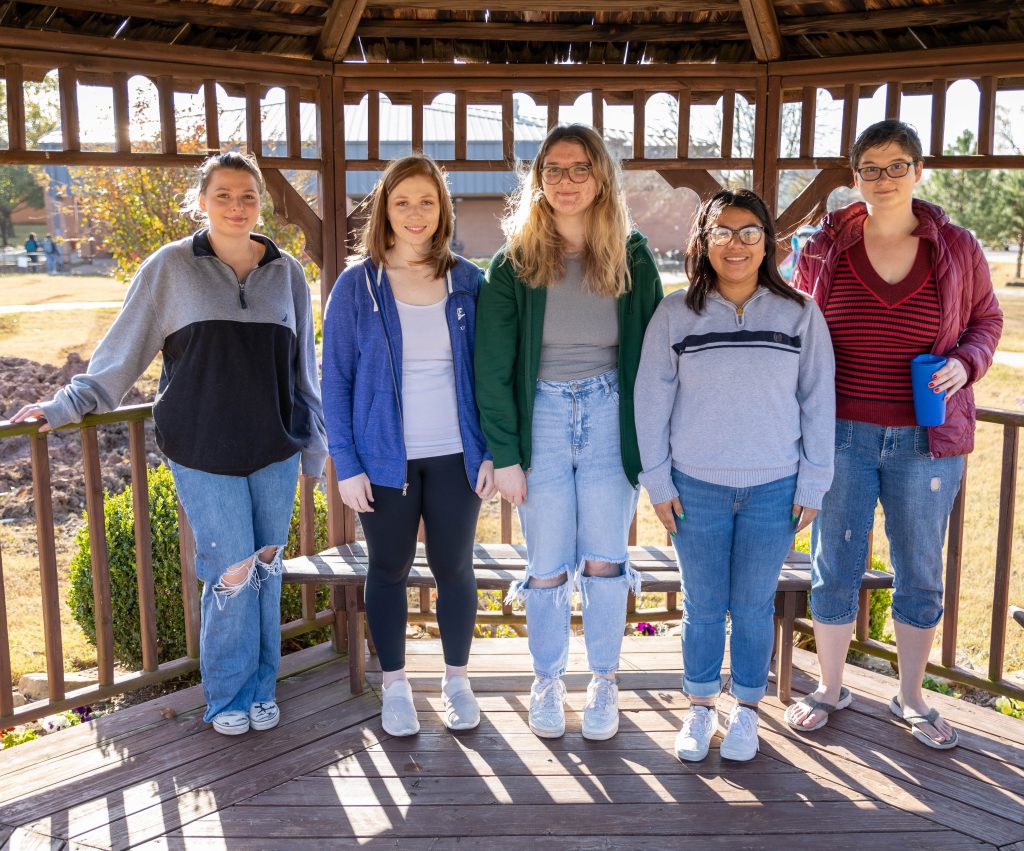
(402, 423)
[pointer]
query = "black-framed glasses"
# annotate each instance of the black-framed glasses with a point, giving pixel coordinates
(552, 174)
(748, 234)
(894, 170)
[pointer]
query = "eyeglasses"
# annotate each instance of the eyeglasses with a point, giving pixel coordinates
(721, 235)
(894, 170)
(552, 174)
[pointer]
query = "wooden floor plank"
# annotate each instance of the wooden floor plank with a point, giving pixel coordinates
(101, 806)
(526, 790)
(897, 787)
(22, 839)
(566, 820)
(105, 731)
(907, 841)
(195, 801)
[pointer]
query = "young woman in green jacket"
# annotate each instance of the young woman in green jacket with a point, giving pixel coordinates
(560, 326)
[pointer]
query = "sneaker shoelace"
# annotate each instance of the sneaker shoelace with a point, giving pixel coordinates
(548, 696)
(698, 716)
(264, 708)
(601, 694)
(744, 721)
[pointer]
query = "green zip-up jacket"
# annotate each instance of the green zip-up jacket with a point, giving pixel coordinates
(509, 331)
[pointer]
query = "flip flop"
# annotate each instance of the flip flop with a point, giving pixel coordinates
(845, 699)
(915, 722)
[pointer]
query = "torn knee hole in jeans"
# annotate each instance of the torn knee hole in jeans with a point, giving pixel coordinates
(556, 582)
(247, 574)
(627, 574)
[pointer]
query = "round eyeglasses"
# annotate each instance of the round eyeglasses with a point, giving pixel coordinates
(552, 174)
(894, 170)
(721, 235)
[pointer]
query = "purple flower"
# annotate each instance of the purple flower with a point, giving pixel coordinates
(644, 628)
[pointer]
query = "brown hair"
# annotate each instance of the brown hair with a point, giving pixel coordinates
(534, 247)
(376, 236)
(229, 159)
(882, 133)
(698, 263)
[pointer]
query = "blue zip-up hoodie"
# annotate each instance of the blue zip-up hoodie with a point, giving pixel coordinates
(362, 373)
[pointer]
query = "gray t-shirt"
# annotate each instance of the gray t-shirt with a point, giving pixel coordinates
(581, 329)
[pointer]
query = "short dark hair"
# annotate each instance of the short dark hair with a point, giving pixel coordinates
(883, 133)
(698, 264)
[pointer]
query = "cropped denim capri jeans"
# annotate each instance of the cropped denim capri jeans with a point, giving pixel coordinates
(891, 465)
(233, 518)
(579, 505)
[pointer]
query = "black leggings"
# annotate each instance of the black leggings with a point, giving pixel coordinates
(439, 492)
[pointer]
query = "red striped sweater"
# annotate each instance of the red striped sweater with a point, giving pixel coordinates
(876, 328)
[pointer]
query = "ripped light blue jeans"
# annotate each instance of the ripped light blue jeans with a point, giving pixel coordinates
(232, 519)
(579, 505)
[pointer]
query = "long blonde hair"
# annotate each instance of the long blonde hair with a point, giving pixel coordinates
(533, 245)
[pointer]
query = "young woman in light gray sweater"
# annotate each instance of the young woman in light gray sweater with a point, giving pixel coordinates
(735, 414)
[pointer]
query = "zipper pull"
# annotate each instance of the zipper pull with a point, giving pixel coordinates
(405, 489)
(241, 297)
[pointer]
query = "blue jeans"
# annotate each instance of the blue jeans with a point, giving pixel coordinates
(232, 519)
(579, 505)
(890, 464)
(731, 547)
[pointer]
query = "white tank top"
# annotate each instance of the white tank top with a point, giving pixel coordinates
(430, 412)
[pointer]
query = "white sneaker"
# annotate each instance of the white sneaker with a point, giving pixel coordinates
(740, 742)
(232, 723)
(547, 714)
(398, 714)
(694, 739)
(461, 711)
(264, 715)
(601, 711)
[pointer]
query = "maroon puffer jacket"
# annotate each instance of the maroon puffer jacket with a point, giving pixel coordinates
(971, 319)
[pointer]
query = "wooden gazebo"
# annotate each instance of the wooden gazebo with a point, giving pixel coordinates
(330, 771)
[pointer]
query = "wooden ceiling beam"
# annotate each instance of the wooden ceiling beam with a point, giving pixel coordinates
(763, 28)
(670, 6)
(200, 14)
(537, 31)
(339, 28)
(901, 18)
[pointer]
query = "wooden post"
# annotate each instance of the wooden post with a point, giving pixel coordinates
(508, 126)
(98, 557)
(639, 124)
(987, 116)
(1004, 551)
(373, 125)
(954, 556)
(6, 698)
(212, 116)
(417, 120)
(893, 98)
(808, 115)
(253, 120)
(293, 121)
(851, 101)
(15, 106)
(938, 117)
(67, 83)
(189, 589)
(728, 121)
(307, 540)
(143, 545)
(43, 504)
(553, 102)
(168, 123)
(461, 131)
(122, 113)
(767, 131)
(683, 129)
(597, 110)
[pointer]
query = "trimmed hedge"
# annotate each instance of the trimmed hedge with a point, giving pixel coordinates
(119, 522)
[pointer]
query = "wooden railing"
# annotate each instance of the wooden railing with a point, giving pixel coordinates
(152, 671)
(342, 527)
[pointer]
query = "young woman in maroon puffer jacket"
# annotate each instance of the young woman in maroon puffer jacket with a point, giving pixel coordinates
(894, 279)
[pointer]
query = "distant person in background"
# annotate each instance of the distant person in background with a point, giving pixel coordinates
(51, 251)
(32, 250)
(894, 279)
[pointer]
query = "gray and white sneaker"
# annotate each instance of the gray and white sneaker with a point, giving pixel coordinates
(740, 742)
(694, 739)
(461, 711)
(547, 713)
(264, 715)
(601, 711)
(231, 723)
(398, 714)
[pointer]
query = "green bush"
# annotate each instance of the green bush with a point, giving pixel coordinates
(119, 522)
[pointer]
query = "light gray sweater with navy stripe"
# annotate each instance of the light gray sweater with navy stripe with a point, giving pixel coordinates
(737, 397)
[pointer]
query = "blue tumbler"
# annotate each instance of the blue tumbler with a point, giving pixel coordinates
(929, 405)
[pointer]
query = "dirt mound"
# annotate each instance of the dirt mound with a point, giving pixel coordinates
(24, 382)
